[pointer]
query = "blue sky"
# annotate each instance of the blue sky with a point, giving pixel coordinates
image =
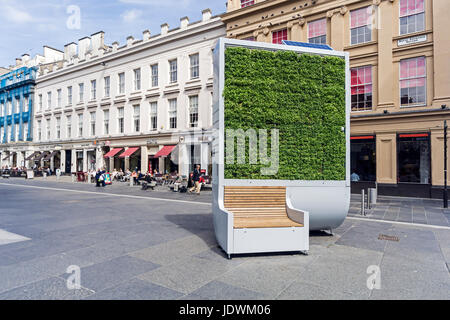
(27, 25)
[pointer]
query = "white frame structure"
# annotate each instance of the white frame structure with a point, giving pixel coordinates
(322, 205)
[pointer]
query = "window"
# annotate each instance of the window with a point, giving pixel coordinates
(173, 113)
(173, 71)
(107, 87)
(120, 119)
(40, 102)
(49, 100)
(58, 128)
(39, 130)
(106, 122)
(137, 79)
(81, 88)
(361, 88)
(279, 36)
(246, 3)
(154, 75)
(195, 67)
(121, 83)
(363, 159)
(413, 82)
(193, 111)
(93, 116)
(154, 116)
(69, 127)
(414, 158)
(48, 129)
(69, 96)
(93, 89)
(136, 118)
(59, 97)
(412, 16)
(80, 125)
(361, 27)
(317, 31)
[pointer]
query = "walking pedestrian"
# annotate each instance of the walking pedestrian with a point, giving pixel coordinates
(196, 179)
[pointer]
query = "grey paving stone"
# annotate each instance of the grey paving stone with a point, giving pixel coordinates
(186, 275)
(217, 290)
(307, 291)
(107, 274)
(268, 277)
(174, 251)
(19, 274)
(48, 289)
(6, 260)
(136, 289)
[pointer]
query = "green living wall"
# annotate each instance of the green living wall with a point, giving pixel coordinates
(301, 95)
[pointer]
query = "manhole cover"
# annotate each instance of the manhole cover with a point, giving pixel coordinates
(388, 238)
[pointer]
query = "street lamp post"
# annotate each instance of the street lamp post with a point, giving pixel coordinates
(445, 166)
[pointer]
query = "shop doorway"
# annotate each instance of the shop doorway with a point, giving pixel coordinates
(68, 161)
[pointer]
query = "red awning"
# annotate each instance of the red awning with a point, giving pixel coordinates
(165, 151)
(112, 153)
(128, 152)
(362, 138)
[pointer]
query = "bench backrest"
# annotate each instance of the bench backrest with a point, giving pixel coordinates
(255, 197)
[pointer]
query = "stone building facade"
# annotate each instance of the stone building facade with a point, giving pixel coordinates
(400, 59)
(146, 104)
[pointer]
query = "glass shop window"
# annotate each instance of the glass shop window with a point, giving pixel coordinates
(414, 158)
(363, 159)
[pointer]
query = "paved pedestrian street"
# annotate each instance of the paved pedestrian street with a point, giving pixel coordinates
(134, 244)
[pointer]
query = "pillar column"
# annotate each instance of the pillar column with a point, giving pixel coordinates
(63, 161)
(127, 162)
(144, 159)
(183, 159)
(437, 157)
(441, 53)
(52, 163)
(74, 161)
(111, 164)
(385, 78)
(205, 154)
(337, 28)
(387, 158)
(99, 160)
(85, 161)
(297, 30)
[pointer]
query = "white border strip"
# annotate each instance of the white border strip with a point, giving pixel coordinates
(406, 224)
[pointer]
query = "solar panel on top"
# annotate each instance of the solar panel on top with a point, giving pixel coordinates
(307, 45)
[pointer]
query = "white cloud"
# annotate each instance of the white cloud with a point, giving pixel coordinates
(15, 15)
(131, 15)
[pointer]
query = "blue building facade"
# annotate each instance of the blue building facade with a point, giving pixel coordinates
(16, 110)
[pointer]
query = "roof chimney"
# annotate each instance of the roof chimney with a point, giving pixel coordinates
(130, 41)
(115, 46)
(164, 29)
(70, 50)
(184, 22)
(84, 45)
(206, 15)
(146, 35)
(98, 42)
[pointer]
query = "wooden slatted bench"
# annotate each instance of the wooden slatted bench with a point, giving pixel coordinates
(258, 207)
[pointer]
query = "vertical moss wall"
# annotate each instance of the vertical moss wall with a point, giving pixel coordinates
(301, 95)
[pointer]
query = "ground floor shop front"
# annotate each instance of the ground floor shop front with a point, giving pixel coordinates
(167, 154)
(400, 154)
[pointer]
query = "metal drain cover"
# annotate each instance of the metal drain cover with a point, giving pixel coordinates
(388, 238)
